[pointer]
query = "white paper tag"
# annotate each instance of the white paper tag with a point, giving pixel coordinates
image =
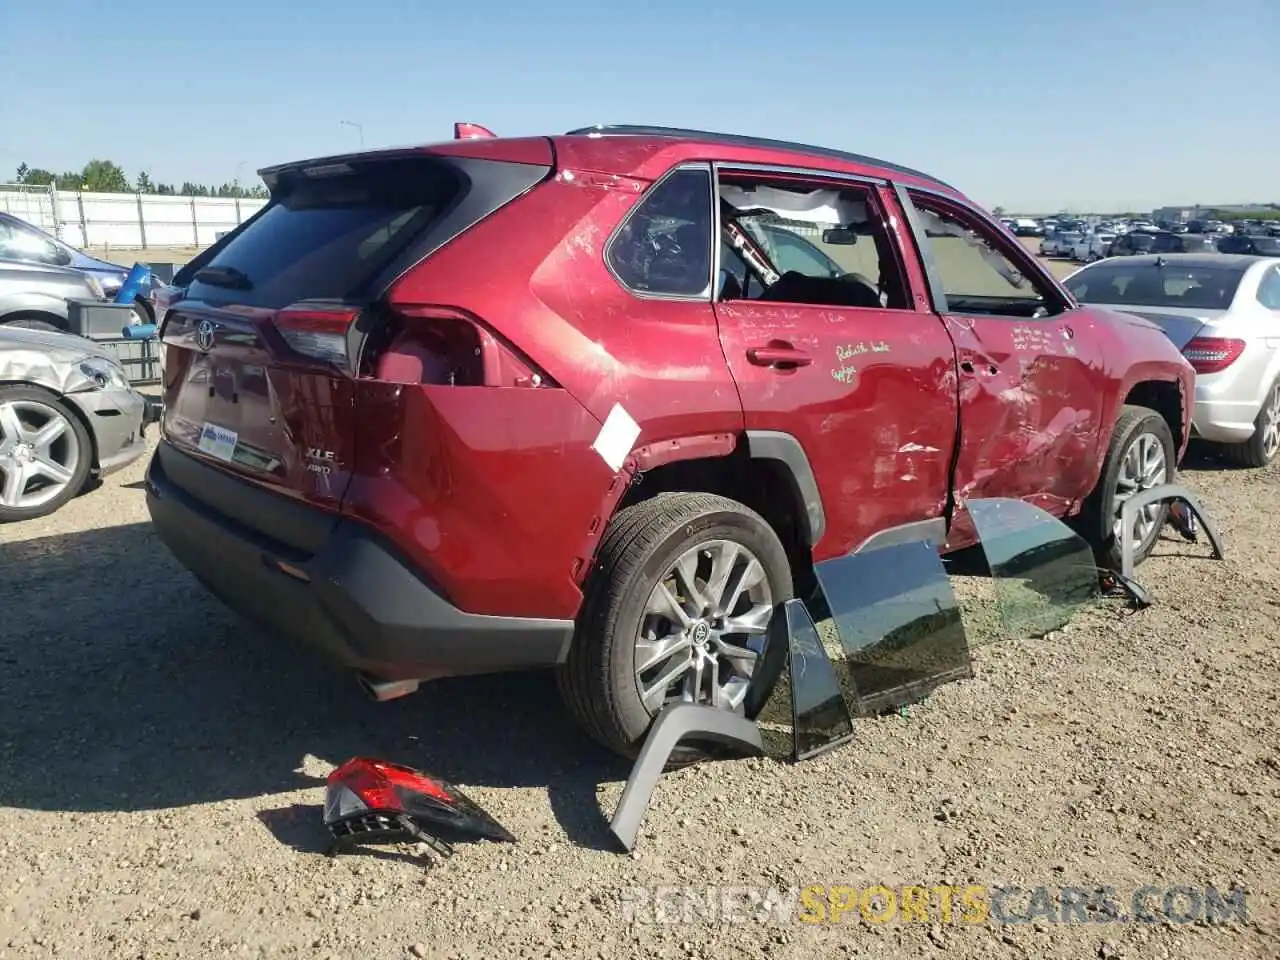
(617, 436)
(218, 441)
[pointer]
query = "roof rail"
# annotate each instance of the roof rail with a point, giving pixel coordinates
(643, 130)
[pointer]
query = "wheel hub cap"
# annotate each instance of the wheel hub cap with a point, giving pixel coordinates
(703, 628)
(1143, 467)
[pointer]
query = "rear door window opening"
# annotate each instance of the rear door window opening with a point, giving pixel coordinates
(786, 241)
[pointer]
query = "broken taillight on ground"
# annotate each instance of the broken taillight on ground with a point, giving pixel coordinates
(378, 802)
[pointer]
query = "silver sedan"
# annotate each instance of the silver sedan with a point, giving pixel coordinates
(1223, 312)
(67, 413)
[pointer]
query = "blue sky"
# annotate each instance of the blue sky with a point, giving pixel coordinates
(1083, 104)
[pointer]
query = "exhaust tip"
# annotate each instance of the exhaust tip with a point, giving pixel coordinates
(384, 690)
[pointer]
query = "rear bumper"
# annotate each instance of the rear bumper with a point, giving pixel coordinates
(354, 598)
(1224, 421)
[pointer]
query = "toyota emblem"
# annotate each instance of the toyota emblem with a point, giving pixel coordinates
(204, 335)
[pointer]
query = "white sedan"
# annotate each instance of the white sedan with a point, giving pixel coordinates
(1092, 246)
(1223, 312)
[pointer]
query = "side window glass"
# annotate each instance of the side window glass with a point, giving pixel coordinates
(1269, 289)
(809, 244)
(664, 246)
(19, 244)
(976, 274)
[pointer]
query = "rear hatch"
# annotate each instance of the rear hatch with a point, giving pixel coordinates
(263, 340)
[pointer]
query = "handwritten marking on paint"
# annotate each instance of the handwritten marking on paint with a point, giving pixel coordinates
(1031, 338)
(849, 350)
(617, 436)
(844, 374)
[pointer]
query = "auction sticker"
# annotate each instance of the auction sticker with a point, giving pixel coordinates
(217, 442)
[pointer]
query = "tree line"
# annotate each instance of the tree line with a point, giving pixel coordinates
(104, 176)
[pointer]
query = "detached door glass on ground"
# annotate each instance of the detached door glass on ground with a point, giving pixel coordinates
(824, 343)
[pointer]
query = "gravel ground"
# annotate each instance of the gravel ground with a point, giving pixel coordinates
(163, 765)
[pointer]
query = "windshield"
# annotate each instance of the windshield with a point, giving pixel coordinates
(1141, 241)
(1154, 285)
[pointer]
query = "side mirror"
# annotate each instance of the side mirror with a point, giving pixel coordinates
(61, 257)
(839, 236)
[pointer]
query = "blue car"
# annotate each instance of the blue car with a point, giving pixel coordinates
(23, 242)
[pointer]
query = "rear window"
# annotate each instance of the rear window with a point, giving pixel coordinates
(1149, 285)
(327, 236)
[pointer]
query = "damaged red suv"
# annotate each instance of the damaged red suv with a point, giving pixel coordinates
(599, 401)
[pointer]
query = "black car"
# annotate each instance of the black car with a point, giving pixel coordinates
(1167, 242)
(1255, 245)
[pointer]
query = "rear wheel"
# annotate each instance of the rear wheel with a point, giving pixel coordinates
(1261, 448)
(1140, 456)
(677, 610)
(45, 453)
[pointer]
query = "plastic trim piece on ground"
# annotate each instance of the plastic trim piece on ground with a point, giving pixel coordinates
(1166, 492)
(676, 722)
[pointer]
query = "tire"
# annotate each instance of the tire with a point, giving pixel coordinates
(23, 411)
(142, 312)
(25, 323)
(1100, 514)
(1261, 448)
(599, 681)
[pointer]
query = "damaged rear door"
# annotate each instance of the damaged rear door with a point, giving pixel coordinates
(1030, 382)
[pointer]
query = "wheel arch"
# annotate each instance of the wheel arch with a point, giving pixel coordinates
(767, 471)
(1165, 398)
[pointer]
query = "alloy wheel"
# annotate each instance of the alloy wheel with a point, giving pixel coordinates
(1144, 466)
(703, 628)
(39, 453)
(1270, 424)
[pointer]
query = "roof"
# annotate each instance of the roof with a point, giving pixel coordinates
(1238, 263)
(739, 140)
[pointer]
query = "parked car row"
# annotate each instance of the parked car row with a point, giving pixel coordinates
(1086, 247)
(68, 414)
(30, 256)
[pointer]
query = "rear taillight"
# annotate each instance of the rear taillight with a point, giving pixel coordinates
(440, 345)
(316, 330)
(1212, 354)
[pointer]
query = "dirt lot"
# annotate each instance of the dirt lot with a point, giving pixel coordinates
(161, 770)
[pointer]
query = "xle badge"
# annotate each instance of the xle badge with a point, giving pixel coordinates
(319, 461)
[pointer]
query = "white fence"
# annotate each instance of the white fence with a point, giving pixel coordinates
(126, 219)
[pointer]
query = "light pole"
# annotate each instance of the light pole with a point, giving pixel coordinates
(359, 129)
(239, 167)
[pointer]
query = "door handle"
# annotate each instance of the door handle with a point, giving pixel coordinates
(778, 357)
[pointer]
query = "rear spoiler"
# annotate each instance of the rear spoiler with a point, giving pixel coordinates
(471, 131)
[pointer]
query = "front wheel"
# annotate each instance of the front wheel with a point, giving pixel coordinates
(677, 609)
(45, 453)
(1140, 456)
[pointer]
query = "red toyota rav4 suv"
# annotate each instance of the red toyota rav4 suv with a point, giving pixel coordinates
(599, 401)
